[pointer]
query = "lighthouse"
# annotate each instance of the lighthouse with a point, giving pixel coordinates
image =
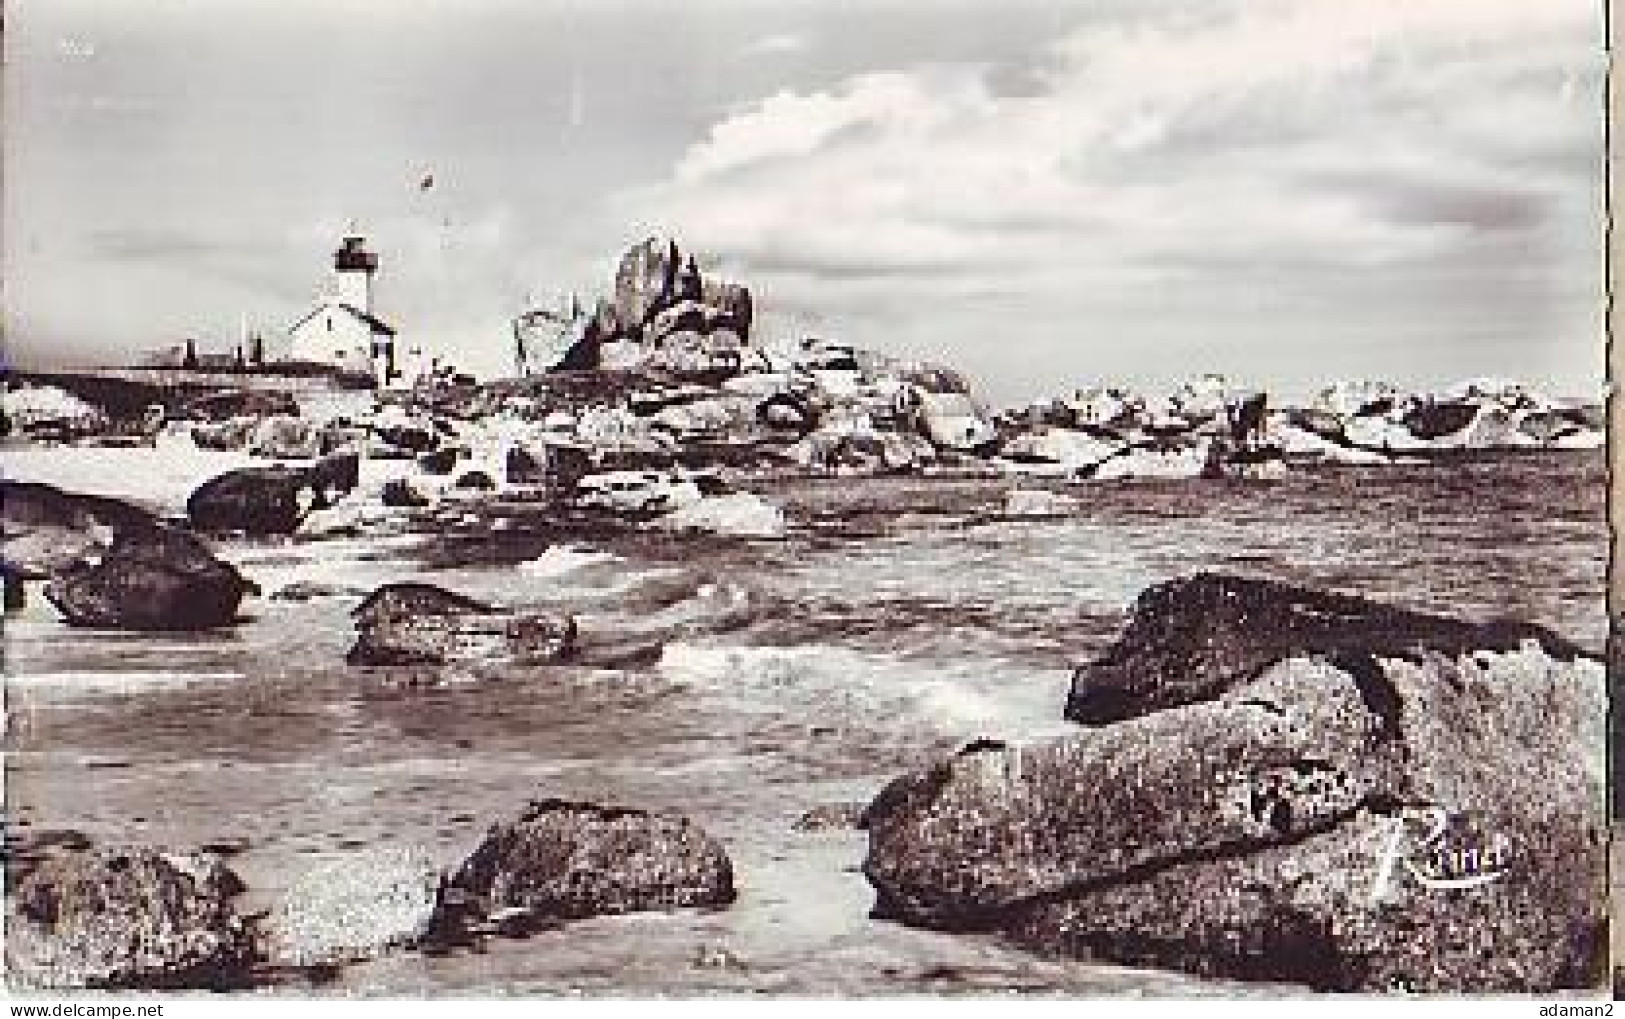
(341, 329)
(353, 269)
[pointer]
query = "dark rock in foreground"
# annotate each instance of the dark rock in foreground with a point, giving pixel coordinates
(46, 528)
(128, 918)
(270, 500)
(561, 860)
(420, 624)
(162, 580)
(1302, 913)
(1352, 821)
(27, 503)
(1194, 638)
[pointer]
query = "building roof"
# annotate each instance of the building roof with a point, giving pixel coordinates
(377, 325)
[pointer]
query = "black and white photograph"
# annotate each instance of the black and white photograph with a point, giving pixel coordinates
(579, 499)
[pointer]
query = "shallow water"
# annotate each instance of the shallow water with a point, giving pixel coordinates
(902, 618)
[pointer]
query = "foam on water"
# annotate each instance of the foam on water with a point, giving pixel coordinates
(342, 563)
(77, 684)
(560, 560)
(960, 700)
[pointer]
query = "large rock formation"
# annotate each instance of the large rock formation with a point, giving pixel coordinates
(253, 500)
(1355, 423)
(645, 280)
(1421, 813)
(270, 500)
(1192, 638)
(420, 624)
(1204, 429)
(164, 579)
(669, 314)
(45, 528)
(561, 860)
(128, 918)
(1476, 416)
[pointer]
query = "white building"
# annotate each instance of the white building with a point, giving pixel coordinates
(341, 329)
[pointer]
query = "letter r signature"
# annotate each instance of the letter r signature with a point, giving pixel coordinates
(1394, 856)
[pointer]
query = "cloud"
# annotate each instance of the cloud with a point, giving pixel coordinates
(777, 44)
(1048, 190)
(788, 126)
(1363, 134)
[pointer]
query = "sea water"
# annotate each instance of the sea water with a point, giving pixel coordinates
(900, 619)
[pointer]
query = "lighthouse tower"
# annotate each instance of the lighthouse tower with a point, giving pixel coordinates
(353, 269)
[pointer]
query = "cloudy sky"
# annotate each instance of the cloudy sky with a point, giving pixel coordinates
(1043, 193)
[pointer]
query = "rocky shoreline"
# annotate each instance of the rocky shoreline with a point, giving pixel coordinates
(666, 377)
(1249, 756)
(1268, 783)
(1265, 783)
